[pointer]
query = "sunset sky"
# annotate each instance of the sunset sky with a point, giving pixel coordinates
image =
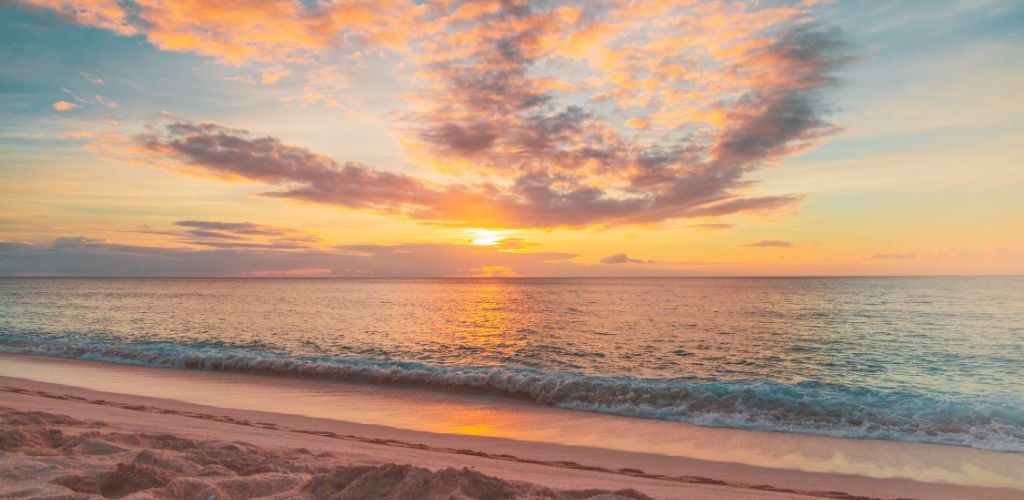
(605, 138)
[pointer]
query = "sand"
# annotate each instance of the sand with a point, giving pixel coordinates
(48, 454)
(72, 442)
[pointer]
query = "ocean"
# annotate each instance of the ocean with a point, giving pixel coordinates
(924, 359)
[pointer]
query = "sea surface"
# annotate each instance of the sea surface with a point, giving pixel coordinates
(926, 359)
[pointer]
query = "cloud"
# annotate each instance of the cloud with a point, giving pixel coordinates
(272, 77)
(246, 30)
(488, 108)
(247, 228)
(83, 256)
(535, 198)
(95, 80)
(79, 256)
(76, 242)
(891, 256)
(105, 14)
(310, 272)
(217, 243)
(64, 105)
(770, 244)
(299, 172)
(621, 258)
(231, 235)
(652, 126)
(242, 235)
(110, 103)
(712, 226)
(513, 244)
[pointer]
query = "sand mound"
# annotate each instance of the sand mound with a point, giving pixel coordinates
(48, 455)
(406, 481)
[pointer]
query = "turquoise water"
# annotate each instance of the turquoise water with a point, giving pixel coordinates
(915, 359)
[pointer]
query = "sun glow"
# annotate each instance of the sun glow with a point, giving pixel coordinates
(489, 237)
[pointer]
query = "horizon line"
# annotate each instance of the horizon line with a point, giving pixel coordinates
(720, 276)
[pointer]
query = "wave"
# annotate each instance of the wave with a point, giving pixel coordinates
(985, 422)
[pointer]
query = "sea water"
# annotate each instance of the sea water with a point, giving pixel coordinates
(927, 359)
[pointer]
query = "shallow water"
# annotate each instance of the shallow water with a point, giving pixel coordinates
(913, 359)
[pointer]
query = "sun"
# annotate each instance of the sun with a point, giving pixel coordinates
(488, 237)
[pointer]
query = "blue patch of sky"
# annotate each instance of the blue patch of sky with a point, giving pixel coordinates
(40, 54)
(898, 45)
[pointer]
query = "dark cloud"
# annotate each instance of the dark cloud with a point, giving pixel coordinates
(493, 110)
(786, 108)
(299, 172)
(537, 198)
(206, 233)
(462, 139)
(220, 234)
(621, 258)
(245, 244)
(234, 227)
(770, 244)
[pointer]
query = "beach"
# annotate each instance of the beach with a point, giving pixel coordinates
(405, 249)
(280, 453)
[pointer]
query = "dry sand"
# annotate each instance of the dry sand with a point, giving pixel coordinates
(66, 442)
(47, 454)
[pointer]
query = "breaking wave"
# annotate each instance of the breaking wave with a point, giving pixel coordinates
(985, 422)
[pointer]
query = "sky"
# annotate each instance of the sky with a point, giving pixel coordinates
(395, 138)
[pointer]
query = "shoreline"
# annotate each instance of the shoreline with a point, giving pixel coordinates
(503, 456)
(734, 405)
(137, 416)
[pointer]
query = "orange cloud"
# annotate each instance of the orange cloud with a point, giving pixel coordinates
(64, 105)
(272, 77)
(246, 30)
